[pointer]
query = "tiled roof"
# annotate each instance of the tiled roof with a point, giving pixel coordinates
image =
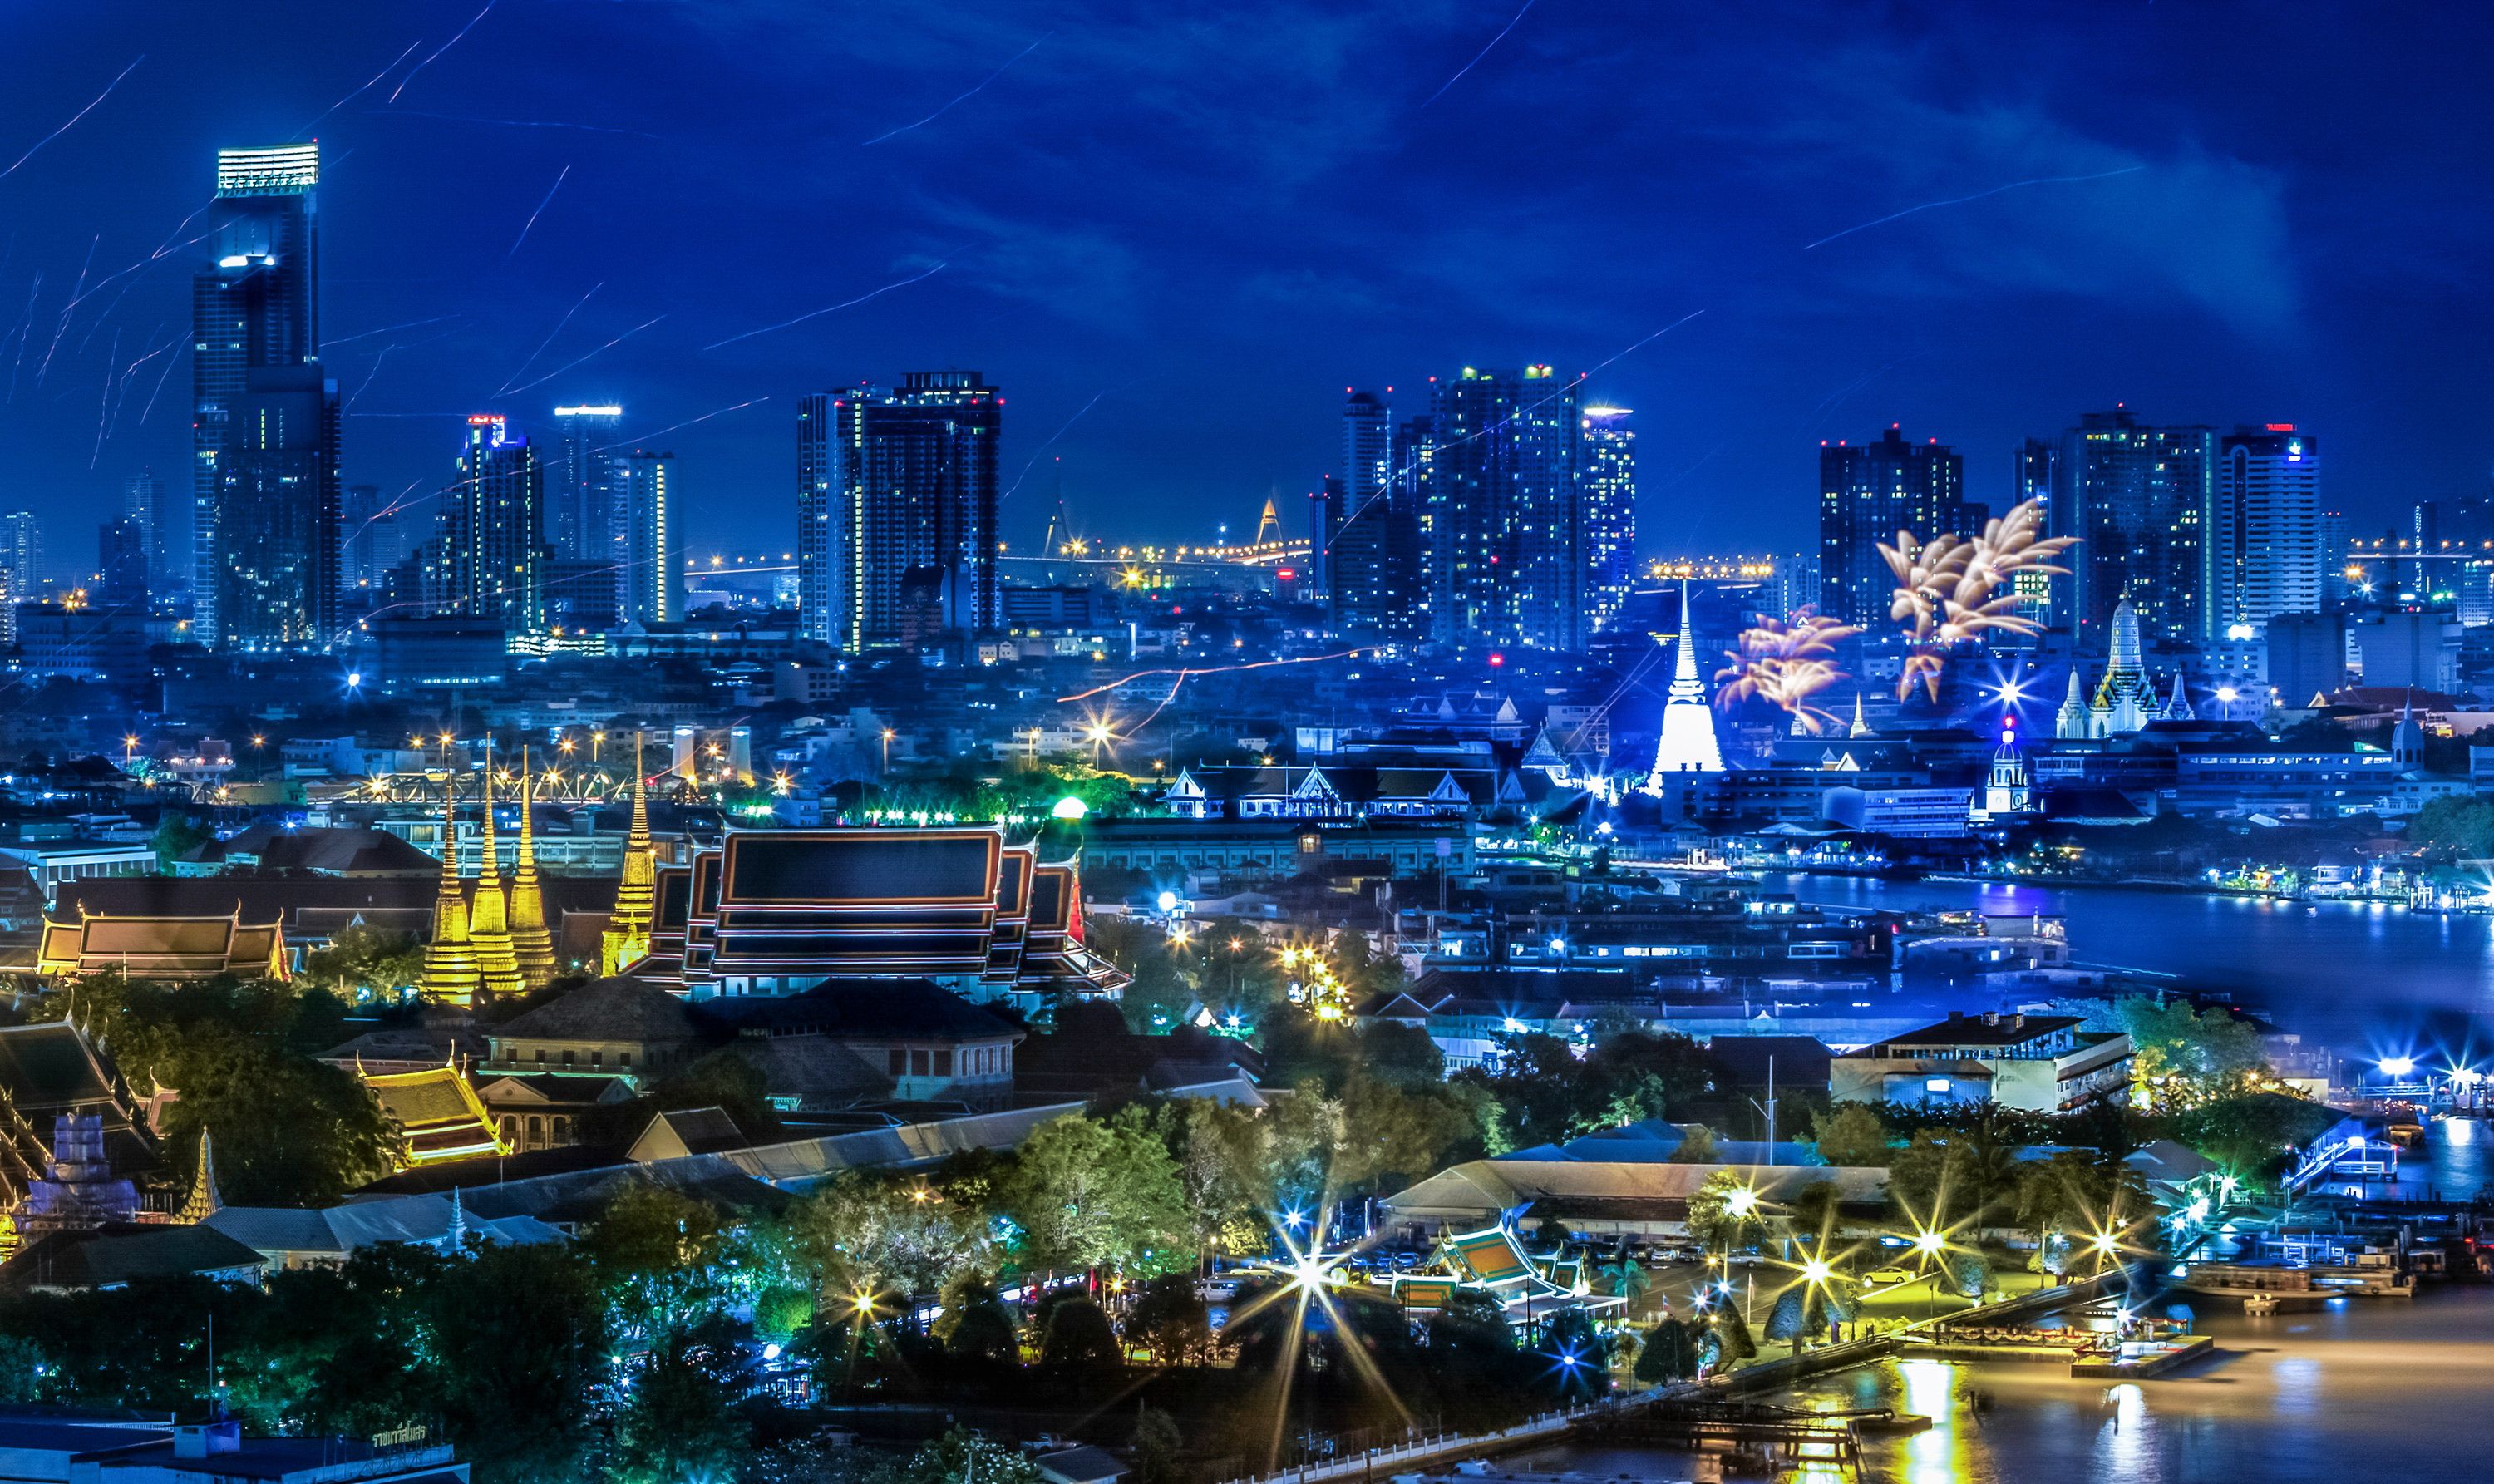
(122, 1253)
(617, 1009)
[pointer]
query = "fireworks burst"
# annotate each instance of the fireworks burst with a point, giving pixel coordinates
(1786, 663)
(1951, 590)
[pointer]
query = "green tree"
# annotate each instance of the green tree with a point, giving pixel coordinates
(678, 1422)
(1159, 1450)
(177, 837)
(1669, 1354)
(654, 1250)
(362, 960)
(1850, 1134)
(1724, 1213)
(875, 1231)
(1813, 1211)
(289, 1130)
(1077, 1339)
(520, 1338)
(1625, 1278)
(1788, 1322)
(963, 1457)
(1171, 1321)
(1696, 1146)
(2187, 1056)
(975, 1324)
(1972, 1274)
(2456, 827)
(1732, 1328)
(1090, 1193)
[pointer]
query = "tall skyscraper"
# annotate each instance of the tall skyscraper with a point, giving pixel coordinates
(1869, 493)
(21, 554)
(275, 585)
(2138, 499)
(2264, 539)
(1372, 536)
(257, 308)
(121, 566)
(648, 587)
(1506, 552)
(376, 535)
(1607, 470)
(912, 496)
(822, 593)
(2035, 477)
(492, 541)
(142, 499)
(581, 518)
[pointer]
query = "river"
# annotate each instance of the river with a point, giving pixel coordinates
(2357, 1392)
(2370, 979)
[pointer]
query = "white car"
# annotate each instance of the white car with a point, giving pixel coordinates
(1886, 1277)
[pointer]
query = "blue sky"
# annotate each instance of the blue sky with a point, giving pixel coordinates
(1174, 233)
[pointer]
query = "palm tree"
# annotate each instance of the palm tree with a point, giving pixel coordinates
(1627, 1279)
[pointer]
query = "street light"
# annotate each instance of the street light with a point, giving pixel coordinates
(887, 749)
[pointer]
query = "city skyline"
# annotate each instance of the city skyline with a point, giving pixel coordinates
(1155, 374)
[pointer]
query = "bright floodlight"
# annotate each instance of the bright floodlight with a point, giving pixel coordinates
(1169, 901)
(2105, 1242)
(1743, 1201)
(1929, 1242)
(2398, 1066)
(1815, 1271)
(1069, 807)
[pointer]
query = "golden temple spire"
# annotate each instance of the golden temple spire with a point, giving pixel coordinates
(489, 920)
(450, 959)
(628, 926)
(530, 943)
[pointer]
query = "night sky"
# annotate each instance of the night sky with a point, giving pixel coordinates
(1173, 233)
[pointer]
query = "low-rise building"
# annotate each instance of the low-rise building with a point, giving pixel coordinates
(2043, 1064)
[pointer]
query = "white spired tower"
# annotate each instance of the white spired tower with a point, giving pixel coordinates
(1687, 744)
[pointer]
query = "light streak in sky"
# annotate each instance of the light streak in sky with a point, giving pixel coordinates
(438, 50)
(600, 351)
(832, 309)
(517, 123)
(62, 327)
(1188, 674)
(103, 399)
(1960, 201)
(963, 98)
(1476, 61)
(366, 88)
(25, 325)
(170, 362)
(1951, 588)
(1051, 437)
(74, 118)
(549, 340)
(1786, 664)
(342, 340)
(540, 211)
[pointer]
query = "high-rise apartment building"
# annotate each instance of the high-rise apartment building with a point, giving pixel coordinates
(822, 597)
(142, 499)
(912, 505)
(581, 514)
(21, 554)
(275, 583)
(1506, 552)
(2034, 479)
(2264, 552)
(376, 535)
(121, 566)
(492, 542)
(1371, 532)
(1868, 493)
(1606, 470)
(2138, 498)
(254, 309)
(648, 585)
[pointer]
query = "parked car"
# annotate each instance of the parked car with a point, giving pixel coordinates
(1884, 1277)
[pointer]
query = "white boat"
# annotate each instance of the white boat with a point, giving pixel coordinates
(2260, 1306)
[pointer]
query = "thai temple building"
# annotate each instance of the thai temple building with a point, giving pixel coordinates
(489, 912)
(1688, 742)
(2125, 699)
(532, 944)
(449, 960)
(628, 927)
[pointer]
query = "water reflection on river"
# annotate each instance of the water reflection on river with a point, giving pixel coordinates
(2373, 975)
(2359, 1391)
